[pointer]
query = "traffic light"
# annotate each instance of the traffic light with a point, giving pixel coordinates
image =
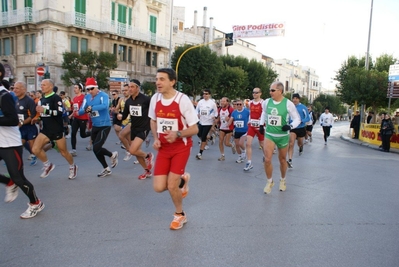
(228, 39)
(46, 75)
(179, 86)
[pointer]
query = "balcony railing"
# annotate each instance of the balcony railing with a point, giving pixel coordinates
(79, 20)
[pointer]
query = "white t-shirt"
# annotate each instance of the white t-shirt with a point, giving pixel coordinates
(207, 111)
(326, 119)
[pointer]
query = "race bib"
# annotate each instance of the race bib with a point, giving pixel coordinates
(21, 118)
(164, 125)
(135, 111)
(254, 123)
(204, 112)
(274, 120)
(46, 107)
(94, 114)
(75, 106)
(239, 124)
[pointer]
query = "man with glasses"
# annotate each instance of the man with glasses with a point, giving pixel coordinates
(207, 113)
(137, 106)
(276, 113)
(96, 104)
(255, 127)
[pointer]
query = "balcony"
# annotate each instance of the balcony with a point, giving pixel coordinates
(79, 20)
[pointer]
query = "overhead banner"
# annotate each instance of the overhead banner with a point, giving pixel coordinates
(259, 30)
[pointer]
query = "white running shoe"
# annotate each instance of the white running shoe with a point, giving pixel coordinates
(127, 157)
(11, 193)
(114, 159)
(32, 210)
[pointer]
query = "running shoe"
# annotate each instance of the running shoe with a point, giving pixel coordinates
(123, 147)
(149, 161)
(145, 175)
(199, 156)
(221, 158)
(46, 170)
(283, 186)
(206, 147)
(178, 221)
(185, 189)
(30, 156)
(325, 143)
(233, 148)
(127, 157)
(136, 162)
(114, 159)
(240, 159)
(105, 172)
(268, 187)
(300, 150)
(73, 153)
(118, 143)
(89, 147)
(32, 210)
(11, 193)
(147, 142)
(73, 172)
(289, 163)
(248, 166)
(274, 151)
(33, 160)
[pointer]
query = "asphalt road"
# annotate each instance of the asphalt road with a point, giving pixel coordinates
(340, 209)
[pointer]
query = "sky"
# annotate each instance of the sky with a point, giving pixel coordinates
(321, 34)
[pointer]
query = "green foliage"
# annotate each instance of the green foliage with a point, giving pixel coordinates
(331, 101)
(148, 88)
(233, 83)
(88, 64)
(368, 87)
(199, 68)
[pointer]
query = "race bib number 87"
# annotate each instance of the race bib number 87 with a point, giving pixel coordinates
(164, 125)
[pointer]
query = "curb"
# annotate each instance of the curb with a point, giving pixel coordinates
(360, 143)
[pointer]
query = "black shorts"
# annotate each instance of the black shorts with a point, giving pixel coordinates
(142, 134)
(309, 128)
(115, 120)
(238, 135)
(54, 136)
(226, 131)
(300, 132)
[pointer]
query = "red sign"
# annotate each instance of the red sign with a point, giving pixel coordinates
(40, 71)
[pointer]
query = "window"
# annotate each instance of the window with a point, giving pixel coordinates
(7, 46)
(80, 12)
(122, 53)
(115, 52)
(84, 47)
(30, 44)
(129, 55)
(14, 4)
(28, 3)
(181, 26)
(112, 10)
(129, 20)
(153, 24)
(151, 59)
(80, 6)
(4, 5)
(74, 44)
(121, 14)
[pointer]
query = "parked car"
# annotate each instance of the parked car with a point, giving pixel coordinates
(335, 117)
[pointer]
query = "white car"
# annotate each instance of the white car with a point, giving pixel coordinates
(335, 117)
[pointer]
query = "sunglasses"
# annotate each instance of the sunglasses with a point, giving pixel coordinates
(205, 94)
(89, 89)
(272, 90)
(239, 104)
(113, 94)
(255, 92)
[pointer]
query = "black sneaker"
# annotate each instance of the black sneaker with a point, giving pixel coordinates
(300, 150)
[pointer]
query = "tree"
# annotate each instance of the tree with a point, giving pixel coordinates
(87, 64)
(331, 101)
(232, 82)
(199, 68)
(368, 87)
(148, 88)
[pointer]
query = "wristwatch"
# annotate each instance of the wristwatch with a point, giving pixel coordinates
(178, 133)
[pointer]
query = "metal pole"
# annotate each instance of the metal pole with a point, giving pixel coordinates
(367, 56)
(170, 35)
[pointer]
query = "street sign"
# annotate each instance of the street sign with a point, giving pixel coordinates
(40, 71)
(393, 78)
(393, 89)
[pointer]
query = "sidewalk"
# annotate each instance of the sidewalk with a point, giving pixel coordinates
(357, 141)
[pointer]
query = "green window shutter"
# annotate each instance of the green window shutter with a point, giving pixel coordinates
(33, 43)
(28, 3)
(14, 4)
(74, 44)
(153, 24)
(130, 16)
(4, 5)
(27, 44)
(7, 46)
(80, 6)
(121, 13)
(83, 45)
(112, 10)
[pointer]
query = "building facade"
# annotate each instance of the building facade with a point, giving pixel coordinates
(36, 34)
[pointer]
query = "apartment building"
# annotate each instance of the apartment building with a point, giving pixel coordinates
(35, 34)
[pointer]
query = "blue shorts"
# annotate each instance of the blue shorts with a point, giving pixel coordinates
(28, 132)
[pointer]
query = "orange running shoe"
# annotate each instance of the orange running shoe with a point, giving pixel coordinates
(178, 221)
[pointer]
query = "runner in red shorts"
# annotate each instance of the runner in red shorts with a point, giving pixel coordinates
(173, 123)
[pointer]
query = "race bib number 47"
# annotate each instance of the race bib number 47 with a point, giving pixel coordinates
(274, 120)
